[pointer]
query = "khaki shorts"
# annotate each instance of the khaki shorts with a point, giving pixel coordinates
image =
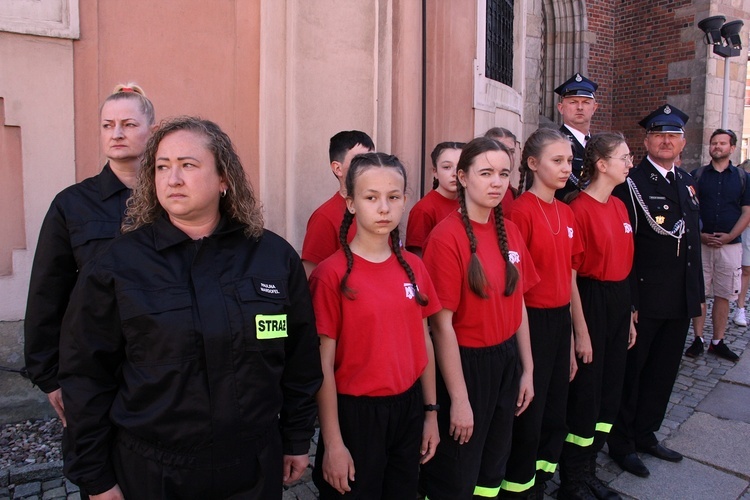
(746, 247)
(721, 270)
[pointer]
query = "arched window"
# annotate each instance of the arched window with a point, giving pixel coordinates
(564, 51)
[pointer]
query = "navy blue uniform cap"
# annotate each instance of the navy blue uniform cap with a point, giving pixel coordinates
(577, 85)
(666, 118)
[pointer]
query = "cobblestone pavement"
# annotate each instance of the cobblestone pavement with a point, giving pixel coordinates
(696, 378)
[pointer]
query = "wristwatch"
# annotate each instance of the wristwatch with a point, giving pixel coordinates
(431, 407)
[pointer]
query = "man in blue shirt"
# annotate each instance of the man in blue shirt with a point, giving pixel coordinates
(725, 212)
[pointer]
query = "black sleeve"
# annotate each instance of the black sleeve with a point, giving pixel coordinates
(53, 276)
(623, 192)
(302, 372)
(91, 353)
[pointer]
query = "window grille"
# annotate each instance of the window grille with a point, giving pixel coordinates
(499, 54)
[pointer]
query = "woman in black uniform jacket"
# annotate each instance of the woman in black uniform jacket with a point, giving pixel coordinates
(189, 360)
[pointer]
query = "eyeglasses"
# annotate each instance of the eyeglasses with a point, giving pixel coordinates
(628, 158)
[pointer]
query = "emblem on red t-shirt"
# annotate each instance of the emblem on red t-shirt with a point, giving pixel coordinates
(409, 289)
(628, 228)
(513, 257)
(570, 232)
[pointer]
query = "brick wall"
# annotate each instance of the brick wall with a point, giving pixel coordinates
(634, 43)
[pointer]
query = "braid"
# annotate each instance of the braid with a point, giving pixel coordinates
(343, 232)
(421, 298)
(477, 278)
(522, 179)
(511, 273)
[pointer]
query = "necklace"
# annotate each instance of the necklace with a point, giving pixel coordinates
(554, 202)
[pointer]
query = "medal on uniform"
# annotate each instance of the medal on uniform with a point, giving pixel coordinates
(659, 219)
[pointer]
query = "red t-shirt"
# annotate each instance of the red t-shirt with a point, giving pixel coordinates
(507, 201)
(552, 253)
(380, 347)
(478, 322)
(322, 236)
(607, 237)
(428, 211)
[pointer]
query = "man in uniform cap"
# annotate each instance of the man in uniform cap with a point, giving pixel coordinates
(576, 106)
(666, 287)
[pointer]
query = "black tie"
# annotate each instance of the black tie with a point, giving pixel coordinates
(586, 138)
(672, 183)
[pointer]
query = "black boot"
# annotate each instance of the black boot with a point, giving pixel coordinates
(596, 485)
(572, 484)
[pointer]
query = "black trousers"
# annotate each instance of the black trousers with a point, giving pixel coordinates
(539, 432)
(65, 446)
(144, 471)
(650, 372)
(383, 435)
(595, 392)
(477, 467)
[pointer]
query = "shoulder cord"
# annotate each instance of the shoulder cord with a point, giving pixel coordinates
(676, 232)
(576, 181)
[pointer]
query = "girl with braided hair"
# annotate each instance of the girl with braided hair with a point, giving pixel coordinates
(481, 269)
(372, 299)
(548, 229)
(602, 317)
(438, 203)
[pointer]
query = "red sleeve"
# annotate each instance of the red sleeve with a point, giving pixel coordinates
(443, 263)
(418, 227)
(321, 239)
(424, 282)
(326, 298)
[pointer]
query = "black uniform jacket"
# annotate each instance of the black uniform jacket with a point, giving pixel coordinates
(577, 149)
(82, 219)
(196, 350)
(665, 285)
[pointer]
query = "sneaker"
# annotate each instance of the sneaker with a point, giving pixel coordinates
(722, 351)
(696, 349)
(739, 317)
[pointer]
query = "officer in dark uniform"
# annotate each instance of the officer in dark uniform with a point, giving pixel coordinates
(666, 287)
(577, 105)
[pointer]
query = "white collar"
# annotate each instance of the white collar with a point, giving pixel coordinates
(580, 136)
(663, 171)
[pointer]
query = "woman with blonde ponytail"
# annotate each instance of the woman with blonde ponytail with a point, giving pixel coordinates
(481, 268)
(81, 220)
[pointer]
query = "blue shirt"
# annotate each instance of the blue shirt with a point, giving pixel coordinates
(721, 199)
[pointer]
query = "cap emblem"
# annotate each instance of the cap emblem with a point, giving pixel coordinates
(667, 110)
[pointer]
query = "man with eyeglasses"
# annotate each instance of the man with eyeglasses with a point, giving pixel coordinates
(666, 287)
(725, 213)
(577, 105)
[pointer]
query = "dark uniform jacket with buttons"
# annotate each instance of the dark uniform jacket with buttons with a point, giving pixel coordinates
(664, 284)
(82, 219)
(577, 150)
(194, 350)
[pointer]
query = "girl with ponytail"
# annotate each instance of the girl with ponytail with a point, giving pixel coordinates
(438, 203)
(481, 269)
(549, 231)
(602, 318)
(377, 404)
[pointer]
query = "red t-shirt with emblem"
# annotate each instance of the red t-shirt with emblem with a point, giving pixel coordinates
(478, 322)
(607, 238)
(380, 345)
(548, 229)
